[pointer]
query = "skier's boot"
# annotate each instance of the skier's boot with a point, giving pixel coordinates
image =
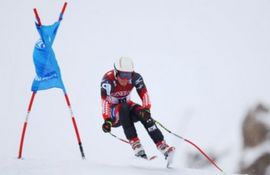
(137, 148)
(167, 151)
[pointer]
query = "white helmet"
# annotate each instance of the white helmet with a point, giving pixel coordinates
(123, 65)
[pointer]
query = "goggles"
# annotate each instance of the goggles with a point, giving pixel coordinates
(124, 75)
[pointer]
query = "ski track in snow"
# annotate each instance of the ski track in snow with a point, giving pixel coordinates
(85, 167)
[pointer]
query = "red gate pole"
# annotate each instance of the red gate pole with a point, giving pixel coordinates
(62, 11)
(74, 125)
(30, 103)
(37, 17)
(25, 124)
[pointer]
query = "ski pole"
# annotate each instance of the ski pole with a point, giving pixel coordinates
(74, 125)
(123, 140)
(193, 144)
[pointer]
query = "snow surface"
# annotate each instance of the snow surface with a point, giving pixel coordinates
(84, 167)
(205, 63)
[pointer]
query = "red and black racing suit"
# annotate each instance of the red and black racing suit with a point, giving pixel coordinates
(121, 111)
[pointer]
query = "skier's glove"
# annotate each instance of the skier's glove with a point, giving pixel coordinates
(145, 113)
(106, 127)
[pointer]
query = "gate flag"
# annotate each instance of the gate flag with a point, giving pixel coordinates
(48, 73)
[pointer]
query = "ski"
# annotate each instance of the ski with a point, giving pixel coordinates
(152, 157)
(148, 158)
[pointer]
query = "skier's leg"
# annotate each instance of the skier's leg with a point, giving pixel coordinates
(126, 121)
(144, 116)
(129, 129)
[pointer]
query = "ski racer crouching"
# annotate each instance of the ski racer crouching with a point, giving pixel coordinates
(119, 110)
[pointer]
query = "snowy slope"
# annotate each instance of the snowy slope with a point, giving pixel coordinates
(213, 55)
(85, 167)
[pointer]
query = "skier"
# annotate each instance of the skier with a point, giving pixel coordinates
(119, 110)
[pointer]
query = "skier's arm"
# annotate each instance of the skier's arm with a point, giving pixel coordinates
(142, 90)
(105, 92)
